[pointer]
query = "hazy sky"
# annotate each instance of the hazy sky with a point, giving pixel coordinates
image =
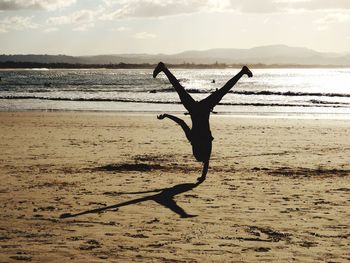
(86, 27)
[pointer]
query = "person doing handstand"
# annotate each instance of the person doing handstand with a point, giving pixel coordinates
(200, 135)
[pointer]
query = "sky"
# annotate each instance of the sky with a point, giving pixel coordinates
(91, 27)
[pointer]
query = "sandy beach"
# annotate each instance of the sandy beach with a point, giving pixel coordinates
(119, 187)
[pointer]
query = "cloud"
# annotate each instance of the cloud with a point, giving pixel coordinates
(122, 29)
(16, 23)
(81, 20)
(322, 27)
(34, 4)
(321, 4)
(51, 29)
(334, 18)
(155, 8)
(325, 22)
(254, 6)
(144, 35)
(59, 20)
(271, 6)
(84, 27)
(162, 8)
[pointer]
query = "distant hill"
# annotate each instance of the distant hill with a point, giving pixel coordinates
(275, 54)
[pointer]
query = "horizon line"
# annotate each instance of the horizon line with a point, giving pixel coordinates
(171, 54)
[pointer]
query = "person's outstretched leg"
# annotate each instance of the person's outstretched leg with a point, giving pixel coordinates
(185, 98)
(183, 124)
(213, 99)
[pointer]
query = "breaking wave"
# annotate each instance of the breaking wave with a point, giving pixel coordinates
(314, 103)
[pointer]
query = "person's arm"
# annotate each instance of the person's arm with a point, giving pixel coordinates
(204, 172)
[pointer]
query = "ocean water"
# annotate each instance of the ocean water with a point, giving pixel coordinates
(271, 92)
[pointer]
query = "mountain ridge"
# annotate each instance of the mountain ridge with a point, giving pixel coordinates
(272, 54)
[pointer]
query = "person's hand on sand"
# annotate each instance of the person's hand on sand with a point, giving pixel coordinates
(247, 71)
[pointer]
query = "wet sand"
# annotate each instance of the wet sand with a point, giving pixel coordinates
(97, 187)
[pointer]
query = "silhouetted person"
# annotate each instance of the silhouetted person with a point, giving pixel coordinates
(200, 135)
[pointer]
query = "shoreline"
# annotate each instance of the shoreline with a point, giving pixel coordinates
(45, 66)
(241, 115)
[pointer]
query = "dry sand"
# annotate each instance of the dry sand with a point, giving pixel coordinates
(277, 190)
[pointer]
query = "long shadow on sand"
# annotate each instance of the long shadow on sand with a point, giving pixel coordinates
(164, 198)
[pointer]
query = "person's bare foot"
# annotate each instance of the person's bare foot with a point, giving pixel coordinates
(161, 116)
(247, 71)
(158, 69)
